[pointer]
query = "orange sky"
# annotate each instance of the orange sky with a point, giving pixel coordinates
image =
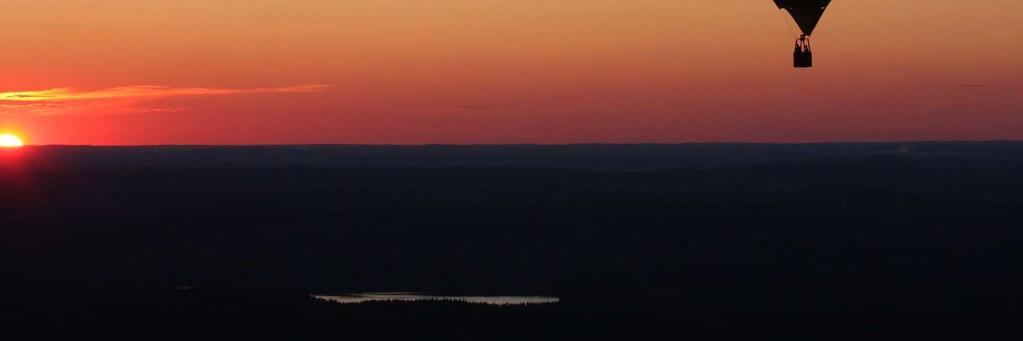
(505, 71)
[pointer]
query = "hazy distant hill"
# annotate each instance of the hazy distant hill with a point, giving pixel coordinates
(589, 157)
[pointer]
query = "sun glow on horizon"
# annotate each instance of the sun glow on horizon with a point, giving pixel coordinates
(10, 141)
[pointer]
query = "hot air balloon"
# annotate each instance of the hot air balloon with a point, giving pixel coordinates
(807, 14)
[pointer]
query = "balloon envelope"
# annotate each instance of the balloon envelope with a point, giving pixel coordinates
(807, 13)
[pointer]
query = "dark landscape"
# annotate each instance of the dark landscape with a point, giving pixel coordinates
(805, 241)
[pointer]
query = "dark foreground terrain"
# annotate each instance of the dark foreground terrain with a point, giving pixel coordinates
(847, 241)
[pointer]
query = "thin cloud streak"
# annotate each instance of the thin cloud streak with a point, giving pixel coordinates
(142, 92)
(64, 100)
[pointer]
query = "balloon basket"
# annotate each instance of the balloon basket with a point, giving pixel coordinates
(802, 57)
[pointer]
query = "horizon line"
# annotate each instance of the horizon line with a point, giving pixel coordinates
(233, 145)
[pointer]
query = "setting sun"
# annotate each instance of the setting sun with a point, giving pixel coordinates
(10, 141)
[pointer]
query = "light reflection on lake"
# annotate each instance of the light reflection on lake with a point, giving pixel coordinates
(414, 297)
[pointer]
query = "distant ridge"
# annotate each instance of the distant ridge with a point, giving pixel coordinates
(636, 157)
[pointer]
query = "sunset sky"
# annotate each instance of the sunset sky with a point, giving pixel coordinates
(136, 72)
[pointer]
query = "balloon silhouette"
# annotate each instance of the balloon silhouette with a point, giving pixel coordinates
(807, 14)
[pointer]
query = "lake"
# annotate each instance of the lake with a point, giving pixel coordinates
(417, 297)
